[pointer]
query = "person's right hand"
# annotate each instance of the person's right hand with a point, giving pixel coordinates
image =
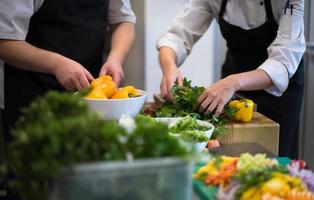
(72, 75)
(171, 74)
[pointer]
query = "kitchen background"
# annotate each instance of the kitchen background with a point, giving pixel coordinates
(203, 67)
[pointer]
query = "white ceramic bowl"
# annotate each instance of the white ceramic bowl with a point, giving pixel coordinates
(116, 108)
(200, 146)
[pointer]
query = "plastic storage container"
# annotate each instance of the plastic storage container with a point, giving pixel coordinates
(152, 179)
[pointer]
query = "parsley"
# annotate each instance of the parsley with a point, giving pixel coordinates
(185, 98)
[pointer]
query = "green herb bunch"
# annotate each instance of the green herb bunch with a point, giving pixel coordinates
(185, 101)
(58, 130)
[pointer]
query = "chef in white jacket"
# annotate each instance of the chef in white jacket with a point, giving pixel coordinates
(265, 45)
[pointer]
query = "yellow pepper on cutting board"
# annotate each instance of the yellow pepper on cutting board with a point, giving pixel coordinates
(245, 109)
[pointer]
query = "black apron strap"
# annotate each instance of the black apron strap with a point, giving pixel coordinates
(223, 8)
(269, 11)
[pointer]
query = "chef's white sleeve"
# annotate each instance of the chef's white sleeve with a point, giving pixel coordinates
(120, 11)
(15, 17)
(187, 29)
(286, 51)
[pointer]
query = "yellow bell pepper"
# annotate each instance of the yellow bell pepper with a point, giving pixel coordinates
(121, 94)
(245, 109)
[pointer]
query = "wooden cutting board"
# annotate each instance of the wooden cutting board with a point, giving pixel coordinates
(260, 130)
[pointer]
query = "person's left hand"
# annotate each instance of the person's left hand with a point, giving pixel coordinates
(113, 69)
(216, 96)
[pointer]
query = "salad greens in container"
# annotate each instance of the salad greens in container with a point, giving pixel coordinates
(191, 131)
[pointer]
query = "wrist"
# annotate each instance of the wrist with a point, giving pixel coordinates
(115, 59)
(169, 69)
(54, 61)
(235, 81)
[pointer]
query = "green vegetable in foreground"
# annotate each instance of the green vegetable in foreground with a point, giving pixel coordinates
(58, 130)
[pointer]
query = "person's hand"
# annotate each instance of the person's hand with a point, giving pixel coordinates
(72, 75)
(217, 95)
(113, 69)
(170, 76)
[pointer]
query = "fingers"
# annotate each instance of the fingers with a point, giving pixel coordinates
(211, 101)
(212, 106)
(77, 84)
(219, 109)
(72, 75)
(88, 75)
(169, 85)
(204, 105)
(117, 77)
(79, 80)
(200, 100)
(115, 72)
(165, 87)
(103, 71)
(180, 79)
(83, 82)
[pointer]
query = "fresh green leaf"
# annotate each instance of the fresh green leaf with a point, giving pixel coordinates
(185, 98)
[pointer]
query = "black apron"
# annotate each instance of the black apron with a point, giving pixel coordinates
(72, 28)
(247, 49)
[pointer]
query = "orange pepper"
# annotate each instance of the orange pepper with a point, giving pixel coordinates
(96, 94)
(109, 88)
(121, 94)
(100, 81)
(131, 90)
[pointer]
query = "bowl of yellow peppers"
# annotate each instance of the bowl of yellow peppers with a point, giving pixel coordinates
(112, 102)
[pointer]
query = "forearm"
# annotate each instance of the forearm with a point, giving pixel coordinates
(25, 56)
(253, 80)
(167, 59)
(121, 42)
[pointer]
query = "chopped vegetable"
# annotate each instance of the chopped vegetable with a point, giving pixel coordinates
(194, 136)
(188, 123)
(218, 171)
(300, 195)
(248, 162)
(213, 144)
(256, 178)
(190, 130)
(296, 168)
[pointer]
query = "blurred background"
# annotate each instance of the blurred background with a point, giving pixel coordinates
(142, 69)
(154, 18)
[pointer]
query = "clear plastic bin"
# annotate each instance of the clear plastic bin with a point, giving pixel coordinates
(150, 179)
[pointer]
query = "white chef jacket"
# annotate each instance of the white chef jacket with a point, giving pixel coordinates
(15, 17)
(284, 54)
